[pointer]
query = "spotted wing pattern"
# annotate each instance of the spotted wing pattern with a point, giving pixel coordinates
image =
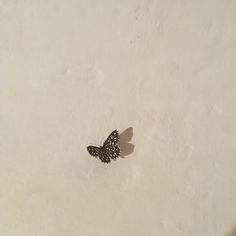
(94, 151)
(109, 150)
(110, 145)
(104, 157)
(112, 139)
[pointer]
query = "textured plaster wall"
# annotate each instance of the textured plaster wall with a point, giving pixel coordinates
(71, 71)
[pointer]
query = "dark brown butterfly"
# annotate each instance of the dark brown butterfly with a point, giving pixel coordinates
(109, 150)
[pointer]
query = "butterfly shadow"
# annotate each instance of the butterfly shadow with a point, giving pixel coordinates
(233, 232)
(126, 147)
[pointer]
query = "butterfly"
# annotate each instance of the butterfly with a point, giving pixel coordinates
(109, 150)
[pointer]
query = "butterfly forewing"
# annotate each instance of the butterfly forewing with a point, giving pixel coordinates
(110, 145)
(112, 139)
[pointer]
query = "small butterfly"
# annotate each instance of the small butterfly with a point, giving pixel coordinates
(109, 150)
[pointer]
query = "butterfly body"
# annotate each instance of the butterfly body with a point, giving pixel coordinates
(109, 150)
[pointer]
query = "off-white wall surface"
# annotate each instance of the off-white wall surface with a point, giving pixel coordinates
(71, 71)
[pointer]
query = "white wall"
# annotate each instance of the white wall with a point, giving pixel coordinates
(71, 71)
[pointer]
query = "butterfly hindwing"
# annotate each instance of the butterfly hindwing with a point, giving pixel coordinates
(113, 151)
(93, 151)
(104, 157)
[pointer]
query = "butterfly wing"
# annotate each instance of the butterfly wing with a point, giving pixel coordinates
(110, 145)
(112, 139)
(104, 157)
(113, 151)
(97, 152)
(93, 151)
